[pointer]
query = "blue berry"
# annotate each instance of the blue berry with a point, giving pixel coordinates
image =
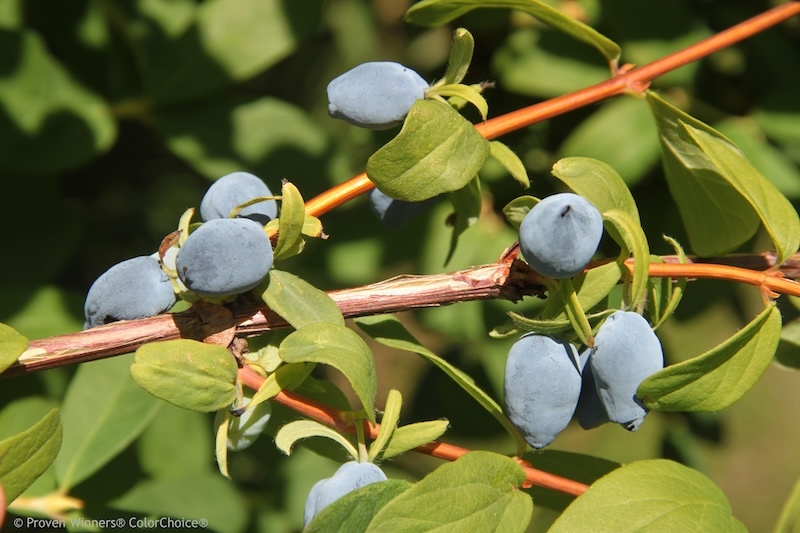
(397, 213)
(224, 257)
(626, 351)
(349, 477)
(560, 234)
(132, 289)
(590, 412)
(541, 387)
(235, 189)
(376, 95)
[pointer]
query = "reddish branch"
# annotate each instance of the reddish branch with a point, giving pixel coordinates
(331, 417)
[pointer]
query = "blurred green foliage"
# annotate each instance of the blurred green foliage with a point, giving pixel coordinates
(116, 116)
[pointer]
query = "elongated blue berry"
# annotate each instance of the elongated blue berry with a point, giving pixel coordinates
(233, 190)
(349, 477)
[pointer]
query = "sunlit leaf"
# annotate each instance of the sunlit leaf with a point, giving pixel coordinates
(24, 457)
(298, 302)
(12, 345)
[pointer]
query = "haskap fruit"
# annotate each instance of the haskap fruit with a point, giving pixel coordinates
(235, 189)
(375, 95)
(135, 288)
(541, 387)
(626, 351)
(396, 213)
(560, 234)
(224, 257)
(349, 477)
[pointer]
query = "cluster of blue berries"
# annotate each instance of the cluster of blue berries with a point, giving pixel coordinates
(229, 254)
(547, 381)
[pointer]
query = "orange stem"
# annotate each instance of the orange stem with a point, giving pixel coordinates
(331, 417)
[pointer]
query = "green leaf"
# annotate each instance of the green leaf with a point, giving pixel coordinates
(591, 287)
(204, 497)
(510, 161)
(12, 345)
(298, 302)
(464, 92)
(388, 331)
(103, 412)
(719, 377)
(516, 209)
(598, 182)
(391, 415)
(49, 123)
(777, 214)
(175, 444)
(653, 495)
(438, 12)
(789, 521)
(285, 377)
(630, 236)
(187, 373)
(467, 203)
(718, 219)
(341, 348)
(544, 326)
(25, 457)
(411, 436)
(486, 487)
(436, 151)
(460, 57)
(303, 429)
(290, 223)
(353, 512)
(621, 133)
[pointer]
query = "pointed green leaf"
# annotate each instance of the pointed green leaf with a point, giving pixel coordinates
(207, 498)
(718, 219)
(25, 457)
(719, 377)
(460, 57)
(353, 512)
(408, 437)
(653, 495)
(665, 294)
(341, 348)
(389, 331)
(290, 223)
(597, 182)
(630, 236)
(465, 92)
(12, 345)
(543, 326)
(187, 373)
(510, 161)
(391, 415)
(436, 151)
(486, 487)
(516, 209)
(778, 216)
(285, 377)
(103, 412)
(289, 434)
(298, 302)
(438, 12)
(221, 426)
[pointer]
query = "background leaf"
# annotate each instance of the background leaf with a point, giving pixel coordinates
(656, 495)
(103, 412)
(187, 373)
